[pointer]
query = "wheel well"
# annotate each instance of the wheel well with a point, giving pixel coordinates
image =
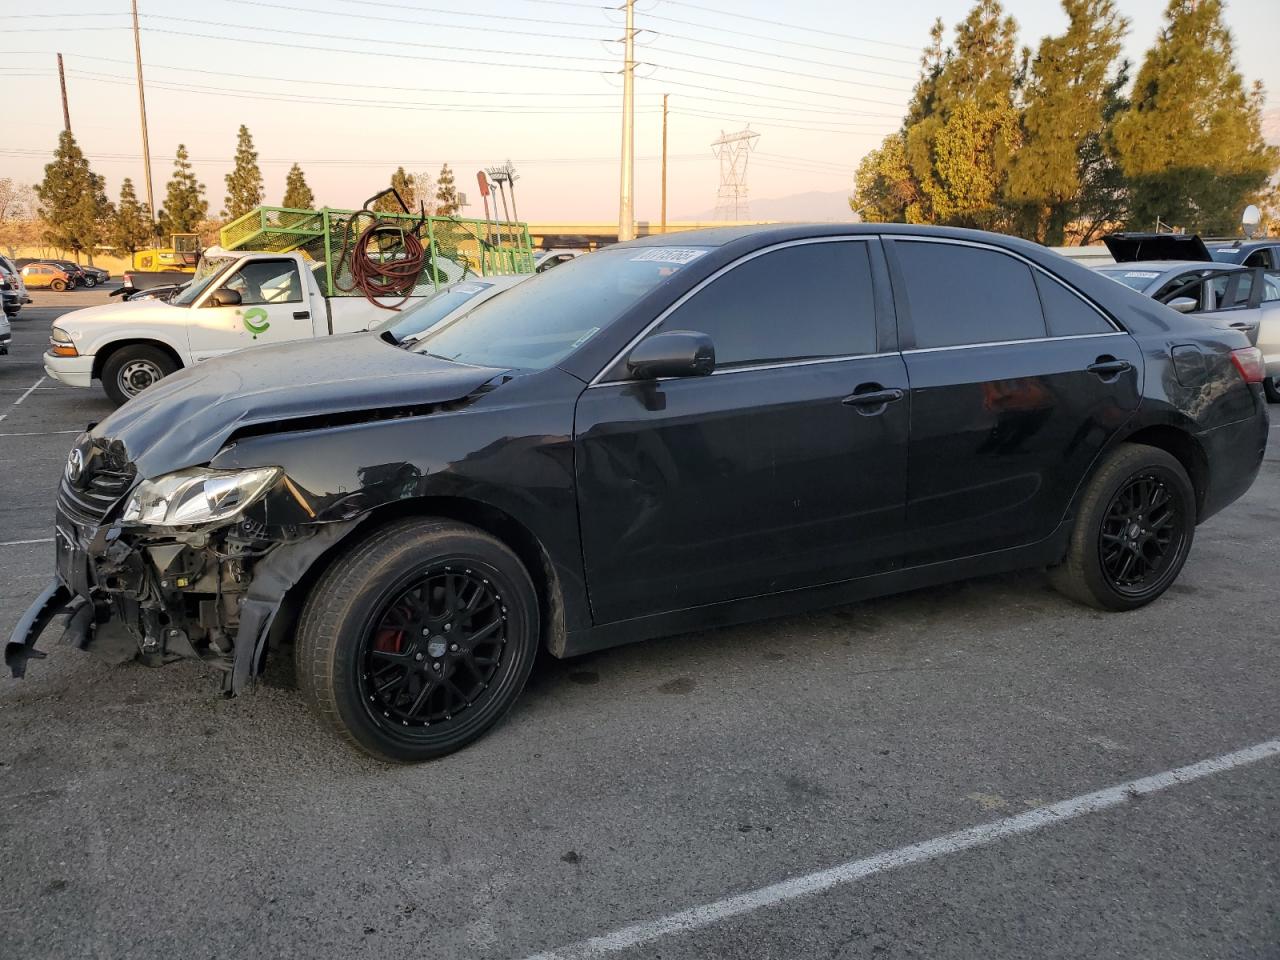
(1183, 447)
(491, 520)
(102, 356)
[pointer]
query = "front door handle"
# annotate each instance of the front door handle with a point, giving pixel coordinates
(873, 401)
(1108, 368)
(301, 315)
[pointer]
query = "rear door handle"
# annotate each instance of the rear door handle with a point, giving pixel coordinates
(1106, 369)
(301, 315)
(873, 398)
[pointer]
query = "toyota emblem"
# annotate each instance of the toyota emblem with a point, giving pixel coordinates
(75, 465)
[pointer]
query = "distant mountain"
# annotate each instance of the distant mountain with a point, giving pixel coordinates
(814, 205)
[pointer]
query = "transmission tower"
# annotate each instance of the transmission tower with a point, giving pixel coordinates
(733, 150)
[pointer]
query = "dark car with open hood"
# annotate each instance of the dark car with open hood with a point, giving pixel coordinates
(670, 434)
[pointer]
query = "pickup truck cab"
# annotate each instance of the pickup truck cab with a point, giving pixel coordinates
(234, 300)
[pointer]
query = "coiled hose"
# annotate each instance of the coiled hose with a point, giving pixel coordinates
(386, 260)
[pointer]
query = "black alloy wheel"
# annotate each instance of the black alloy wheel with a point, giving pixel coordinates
(435, 649)
(1133, 528)
(1141, 534)
(418, 639)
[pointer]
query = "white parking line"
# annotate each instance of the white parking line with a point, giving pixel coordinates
(21, 543)
(17, 403)
(41, 433)
(712, 913)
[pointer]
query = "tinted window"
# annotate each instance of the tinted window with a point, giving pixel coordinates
(810, 300)
(1261, 258)
(962, 295)
(1065, 314)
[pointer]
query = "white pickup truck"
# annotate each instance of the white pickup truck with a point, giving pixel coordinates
(234, 300)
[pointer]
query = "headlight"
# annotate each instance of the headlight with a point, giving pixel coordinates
(197, 496)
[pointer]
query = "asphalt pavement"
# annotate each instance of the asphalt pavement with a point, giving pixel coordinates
(142, 815)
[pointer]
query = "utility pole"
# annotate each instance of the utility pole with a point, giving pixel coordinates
(664, 163)
(62, 81)
(626, 210)
(142, 109)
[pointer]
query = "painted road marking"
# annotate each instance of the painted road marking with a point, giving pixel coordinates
(20, 543)
(41, 433)
(17, 403)
(695, 918)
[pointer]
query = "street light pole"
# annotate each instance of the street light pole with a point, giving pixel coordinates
(142, 110)
(664, 163)
(626, 211)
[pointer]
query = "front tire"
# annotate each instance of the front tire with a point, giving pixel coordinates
(130, 370)
(419, 640)
(1132, 533)
(90, 282)
(1272, 386)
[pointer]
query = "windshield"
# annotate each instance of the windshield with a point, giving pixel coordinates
(1225, 254)
(425, 315)
(541, 321)
(206, 271)
(1137, 279)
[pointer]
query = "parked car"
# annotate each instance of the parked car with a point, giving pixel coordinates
(450, 302)
(672, 434)
(13, 289)
(95, 276)
(39, 276)
(546, 259)
(73, 270)
(6, 335)
(1264, 253)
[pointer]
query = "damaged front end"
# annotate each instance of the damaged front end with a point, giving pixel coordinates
(194, 564)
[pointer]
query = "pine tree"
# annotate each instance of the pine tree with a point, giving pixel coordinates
(1190, 143)
(446, 194)
(244, 182)
(959, 152)
(130, 225)
(184, 203)
(406, 185)
(1063, 123)
(73, 202)
(297, 195)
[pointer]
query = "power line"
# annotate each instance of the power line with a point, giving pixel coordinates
(320, 162)
(506, 18)
(790, 73)
(738, 15)
(771, 85)
(785, 56)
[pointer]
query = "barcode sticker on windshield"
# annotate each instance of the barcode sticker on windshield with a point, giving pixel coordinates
(1142, 274)
(680, 255)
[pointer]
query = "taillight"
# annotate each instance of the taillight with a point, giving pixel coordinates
(1249, 361)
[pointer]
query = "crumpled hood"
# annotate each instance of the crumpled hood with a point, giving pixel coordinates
(187, 418)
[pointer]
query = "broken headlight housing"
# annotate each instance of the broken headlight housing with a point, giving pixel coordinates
(197, 496)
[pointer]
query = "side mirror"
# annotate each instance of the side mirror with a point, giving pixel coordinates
(677, 353)
(1184, 304)
(225, 298)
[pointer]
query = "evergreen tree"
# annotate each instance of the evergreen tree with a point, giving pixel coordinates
(406, 185)
(297, 195)
(73, 202)
(184, 203)
(1190, 143)
(446, 194)
(1063, 124)
(959, 152)
(130, 224)
(884, 190)
(244, 182)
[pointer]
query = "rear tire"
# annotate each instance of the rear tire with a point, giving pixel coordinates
(1272, 387)
(130, 370)
(1132, 533)
(57, 286)
(90, 282)
(418, 640)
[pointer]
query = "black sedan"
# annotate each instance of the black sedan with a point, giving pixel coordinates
(670, 434)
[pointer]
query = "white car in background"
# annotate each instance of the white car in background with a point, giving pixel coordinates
(451, 302)
(12, 289)
(5, 335)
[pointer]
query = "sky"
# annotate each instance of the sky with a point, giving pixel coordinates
(351, 89)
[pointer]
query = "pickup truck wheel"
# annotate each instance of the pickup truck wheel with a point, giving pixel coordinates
(57, 286)
(1132, 533)
(1272, 386)
(130, 370)
(419, 640)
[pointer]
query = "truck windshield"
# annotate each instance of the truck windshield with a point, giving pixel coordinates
(206, 272)
(538, 323)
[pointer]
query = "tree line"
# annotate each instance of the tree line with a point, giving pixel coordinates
(1059, 146)
(69, 208)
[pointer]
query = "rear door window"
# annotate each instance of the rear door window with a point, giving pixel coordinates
(962, 295)
(1066, 314)
(801, 302)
